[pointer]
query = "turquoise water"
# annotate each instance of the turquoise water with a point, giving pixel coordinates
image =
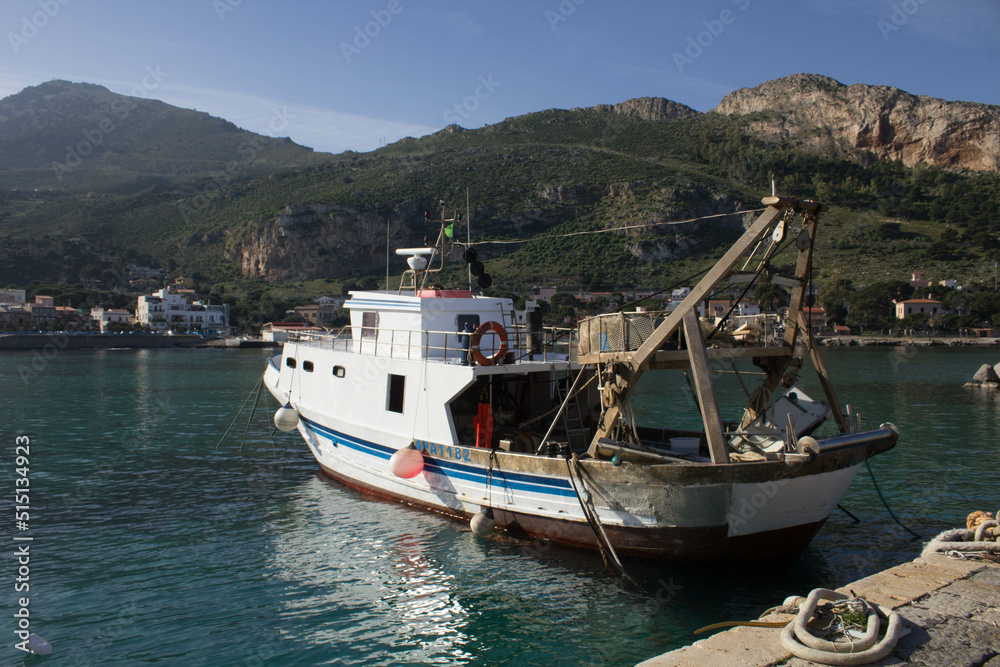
(152, 545)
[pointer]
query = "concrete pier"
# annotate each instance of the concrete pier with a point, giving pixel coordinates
(950, 607)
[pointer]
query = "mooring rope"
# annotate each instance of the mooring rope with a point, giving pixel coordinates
(884, 502)
(256, 389)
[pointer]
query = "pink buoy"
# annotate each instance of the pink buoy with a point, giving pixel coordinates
(406, 463)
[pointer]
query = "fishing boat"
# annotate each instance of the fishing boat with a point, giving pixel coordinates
(453, 401)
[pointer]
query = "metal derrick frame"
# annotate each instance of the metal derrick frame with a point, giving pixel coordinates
(625, 368)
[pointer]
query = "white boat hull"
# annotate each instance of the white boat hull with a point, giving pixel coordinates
(674, 512)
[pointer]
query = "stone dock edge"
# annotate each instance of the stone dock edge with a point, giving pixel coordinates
(951, 609)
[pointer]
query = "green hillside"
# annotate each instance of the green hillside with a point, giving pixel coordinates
(541, 174)
(77, 137)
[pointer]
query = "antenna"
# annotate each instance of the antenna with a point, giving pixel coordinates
(387, 254)
(468, 232)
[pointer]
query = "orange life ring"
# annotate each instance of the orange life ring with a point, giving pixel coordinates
(485, 328)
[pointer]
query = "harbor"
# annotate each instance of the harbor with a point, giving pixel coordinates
(252, 552)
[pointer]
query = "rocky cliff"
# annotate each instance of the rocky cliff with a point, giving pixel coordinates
(317, 240)
(647, 108)
(819, 112)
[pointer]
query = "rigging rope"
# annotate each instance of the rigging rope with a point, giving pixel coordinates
(619, 229)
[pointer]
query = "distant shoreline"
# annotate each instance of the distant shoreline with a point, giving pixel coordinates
(66, 340)
(98, 341)
(906, 341)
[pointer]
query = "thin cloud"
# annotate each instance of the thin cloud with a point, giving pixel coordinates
(325, 130)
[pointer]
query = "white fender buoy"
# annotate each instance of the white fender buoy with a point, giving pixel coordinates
(286, 418)
(406, 463)
(482, 523)
(38, 646)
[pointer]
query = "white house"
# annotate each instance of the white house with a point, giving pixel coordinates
(168, 310)
(104, 316)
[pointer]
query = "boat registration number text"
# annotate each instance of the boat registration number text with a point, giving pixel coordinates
(443, 451)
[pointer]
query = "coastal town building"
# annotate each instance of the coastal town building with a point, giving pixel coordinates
(278, 332)
(171, 309)
(815, 318)
(720, 307)
(102, 317)
(70, 315)
(930, 307)
(542, 294)
(43, 310)
(323, 313)
(18, 316)
(916, 282)
(12, 296)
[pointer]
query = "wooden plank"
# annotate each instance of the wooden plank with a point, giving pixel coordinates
(803, 266)
(705, 388)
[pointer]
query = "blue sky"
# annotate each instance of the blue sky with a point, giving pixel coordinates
(339, 75)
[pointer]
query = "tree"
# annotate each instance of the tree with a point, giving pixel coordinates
(833, 296)
(768, 296)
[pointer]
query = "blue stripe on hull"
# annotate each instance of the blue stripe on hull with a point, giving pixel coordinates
(451, 469)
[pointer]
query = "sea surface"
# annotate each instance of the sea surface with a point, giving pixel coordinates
(153, 543)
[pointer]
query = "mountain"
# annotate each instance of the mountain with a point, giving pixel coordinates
(819, 112)
(80, 136)
(635, 170)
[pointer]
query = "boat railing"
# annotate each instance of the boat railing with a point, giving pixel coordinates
(523, 344)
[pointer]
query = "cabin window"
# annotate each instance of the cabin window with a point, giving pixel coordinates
(339, 371)
(290, 362)
(395, 399)
(369, 325)
(307, 366)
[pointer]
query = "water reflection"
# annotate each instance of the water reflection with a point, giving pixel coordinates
(375, 589)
